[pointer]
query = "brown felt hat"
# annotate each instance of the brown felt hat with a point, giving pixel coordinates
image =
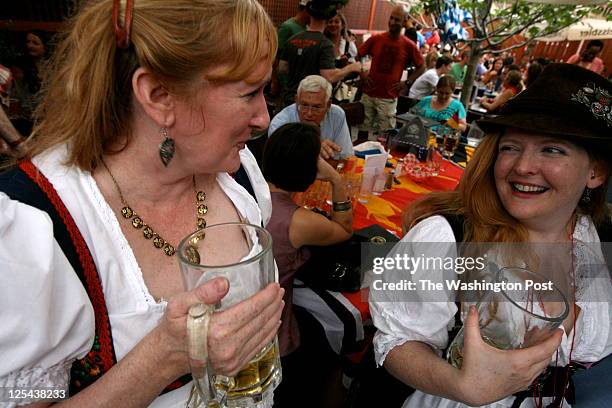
(565, 100)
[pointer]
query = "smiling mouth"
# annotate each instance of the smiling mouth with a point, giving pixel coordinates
(528, 189)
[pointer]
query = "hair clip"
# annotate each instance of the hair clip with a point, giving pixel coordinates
(122, 34)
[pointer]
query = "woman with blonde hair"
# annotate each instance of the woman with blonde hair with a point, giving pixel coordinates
(539, 177)
(146, 113)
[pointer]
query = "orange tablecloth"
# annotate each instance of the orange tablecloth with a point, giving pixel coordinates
(386, 209)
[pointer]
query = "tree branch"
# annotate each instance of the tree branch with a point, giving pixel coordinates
(539, 35)
(420, 22)
(489, 4)
(518, 30)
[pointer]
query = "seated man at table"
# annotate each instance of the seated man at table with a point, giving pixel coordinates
(313, 104)
(425, 85)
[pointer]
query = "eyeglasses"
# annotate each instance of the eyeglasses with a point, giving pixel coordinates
(314, 109)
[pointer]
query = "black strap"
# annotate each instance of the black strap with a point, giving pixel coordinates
(456, 222)
(18, 186)
(242, 178)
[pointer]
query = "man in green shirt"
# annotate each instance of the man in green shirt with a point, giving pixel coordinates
(458, 69)
(294, 25)
(287, 29)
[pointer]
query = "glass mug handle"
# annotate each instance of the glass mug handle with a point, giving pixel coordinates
(202, 393)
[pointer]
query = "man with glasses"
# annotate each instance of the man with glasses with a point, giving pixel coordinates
(313, 104)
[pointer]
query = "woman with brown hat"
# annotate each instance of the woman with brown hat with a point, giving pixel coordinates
(540, 176)
(146, 113)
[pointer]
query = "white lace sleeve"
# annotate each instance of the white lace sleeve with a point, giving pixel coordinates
(403, 315)
(47, 319)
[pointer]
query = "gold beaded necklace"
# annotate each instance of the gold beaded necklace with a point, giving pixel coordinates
(147, 231)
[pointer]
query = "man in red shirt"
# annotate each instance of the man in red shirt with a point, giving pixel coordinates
(391, 53)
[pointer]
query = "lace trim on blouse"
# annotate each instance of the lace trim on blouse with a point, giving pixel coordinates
(55, 377)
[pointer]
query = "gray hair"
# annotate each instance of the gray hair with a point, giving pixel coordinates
(315, 83)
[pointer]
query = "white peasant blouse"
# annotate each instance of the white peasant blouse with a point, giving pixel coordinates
(47, 318)
(400, 321)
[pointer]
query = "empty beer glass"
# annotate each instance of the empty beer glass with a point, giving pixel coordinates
(248, 272)
(525, 311)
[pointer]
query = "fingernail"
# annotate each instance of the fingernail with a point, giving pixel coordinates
(472, 309)
(282, 292)
(221, 285)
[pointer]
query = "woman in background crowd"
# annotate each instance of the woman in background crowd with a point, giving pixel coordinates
(430, 58)
(533, 71)
(493, 77)
(442, 107)
(337, 31)
(512, 86)
(291, 163)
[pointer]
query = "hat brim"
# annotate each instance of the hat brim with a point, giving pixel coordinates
(543, 123)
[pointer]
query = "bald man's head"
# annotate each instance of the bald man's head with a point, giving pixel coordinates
(397, 19)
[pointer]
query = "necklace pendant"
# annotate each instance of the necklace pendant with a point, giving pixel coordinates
(147, 232)
(194, 241)
(158, 241)
(192, 254)
(168, 249)
(127, 212)
(201, 223)
(201, 196)
(137, 222)
(202, 209)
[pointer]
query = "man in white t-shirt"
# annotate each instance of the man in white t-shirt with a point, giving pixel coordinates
(426, 83)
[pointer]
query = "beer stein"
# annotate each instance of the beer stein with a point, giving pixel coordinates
(250, 270)
(525, 311)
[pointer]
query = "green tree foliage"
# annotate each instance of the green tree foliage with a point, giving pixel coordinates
(494, 22)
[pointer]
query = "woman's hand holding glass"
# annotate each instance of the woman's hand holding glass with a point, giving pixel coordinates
(489, 374)
(235, 334)
(326, 172)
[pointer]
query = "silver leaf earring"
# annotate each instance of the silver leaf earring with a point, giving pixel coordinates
(586, 196)
(166, 147)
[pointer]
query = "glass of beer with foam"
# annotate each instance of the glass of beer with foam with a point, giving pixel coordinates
(241, 253)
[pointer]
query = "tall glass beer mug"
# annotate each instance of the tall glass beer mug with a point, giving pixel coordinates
(248, 272)
(523, 313)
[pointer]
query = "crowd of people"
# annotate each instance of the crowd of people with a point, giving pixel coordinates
(158, 118)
